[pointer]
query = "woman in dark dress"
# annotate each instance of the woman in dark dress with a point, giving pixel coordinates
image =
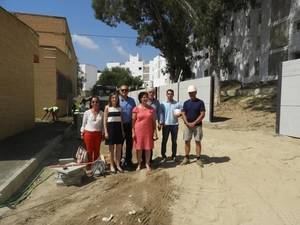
(114, 132)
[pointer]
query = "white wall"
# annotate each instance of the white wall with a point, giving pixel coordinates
(290, 101)
(204, 92)
(89, 73)
(112, 65)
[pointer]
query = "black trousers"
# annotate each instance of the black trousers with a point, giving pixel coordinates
(128, 139)
(166, 130)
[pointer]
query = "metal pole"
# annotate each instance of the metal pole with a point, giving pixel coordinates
(178, 85)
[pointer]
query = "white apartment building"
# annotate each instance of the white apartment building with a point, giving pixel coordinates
(152, 74)
(134, 64)
(88, 74)
(112, 65)
(157, 74)
(98, 74)
(257, 40)
(146, 76)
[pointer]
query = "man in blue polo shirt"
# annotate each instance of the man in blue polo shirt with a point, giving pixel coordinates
(127, 104)
(193, 113)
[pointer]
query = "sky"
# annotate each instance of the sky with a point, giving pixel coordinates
(80, 16)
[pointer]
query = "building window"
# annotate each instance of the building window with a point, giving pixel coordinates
(140, 68)
(63, 86)
(280, 9)
(206, 55)
(279, 35)
(275, 62)
(258, 4)
(206, 73)
(248, 22)
(297, 26)
(258, 42)
(256, 67)
(247, 71)
(297, 55)
(232, 25)
(259, 17)
(224, 29)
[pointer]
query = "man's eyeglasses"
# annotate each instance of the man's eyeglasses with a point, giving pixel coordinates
(124, 90)
(95, 102)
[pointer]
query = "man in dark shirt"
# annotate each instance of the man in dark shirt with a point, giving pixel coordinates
(193, 113)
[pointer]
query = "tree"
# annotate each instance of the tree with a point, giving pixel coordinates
(160, 23)
(208, 17)
(169, 25)
(118, 76)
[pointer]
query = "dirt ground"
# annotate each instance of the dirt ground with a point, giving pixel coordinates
(252, 176)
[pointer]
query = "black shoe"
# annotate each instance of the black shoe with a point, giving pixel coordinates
(174, 159)
(129, 165)
(163, 160)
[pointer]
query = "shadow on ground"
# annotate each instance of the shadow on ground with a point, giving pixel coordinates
(205, 159)
(220, 119)
(25, 145)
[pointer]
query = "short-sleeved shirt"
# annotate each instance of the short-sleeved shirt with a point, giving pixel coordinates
(193, 109)
(167, 112)
(127, 106)
(155, 105)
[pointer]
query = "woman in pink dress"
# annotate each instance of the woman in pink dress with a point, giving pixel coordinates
(143, 129)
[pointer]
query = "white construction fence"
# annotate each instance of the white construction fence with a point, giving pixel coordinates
(205, 92)
(288, 113)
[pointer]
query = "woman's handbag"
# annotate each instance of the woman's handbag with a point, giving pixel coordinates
(81, 155)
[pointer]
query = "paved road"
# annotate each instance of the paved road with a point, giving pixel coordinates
(17, 150)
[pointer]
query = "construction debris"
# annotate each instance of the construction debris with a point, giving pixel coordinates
(107, 219)
(132, 212)
(70, 174)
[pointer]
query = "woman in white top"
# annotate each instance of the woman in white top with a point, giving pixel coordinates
(92, 128)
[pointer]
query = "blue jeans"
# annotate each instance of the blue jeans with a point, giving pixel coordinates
(166, 130)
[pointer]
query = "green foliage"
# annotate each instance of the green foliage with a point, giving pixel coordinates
(208, 16)
(118, 76)
(160, 23)
(169, 25)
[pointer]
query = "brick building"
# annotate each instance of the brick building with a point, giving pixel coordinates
(18, 57)
(55, 80)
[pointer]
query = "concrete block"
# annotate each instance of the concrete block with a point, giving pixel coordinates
(70, 169)
(66, 160)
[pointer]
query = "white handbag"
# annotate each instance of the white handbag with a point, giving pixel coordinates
(81, 155)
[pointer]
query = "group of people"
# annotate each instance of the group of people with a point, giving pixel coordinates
(137, 126)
